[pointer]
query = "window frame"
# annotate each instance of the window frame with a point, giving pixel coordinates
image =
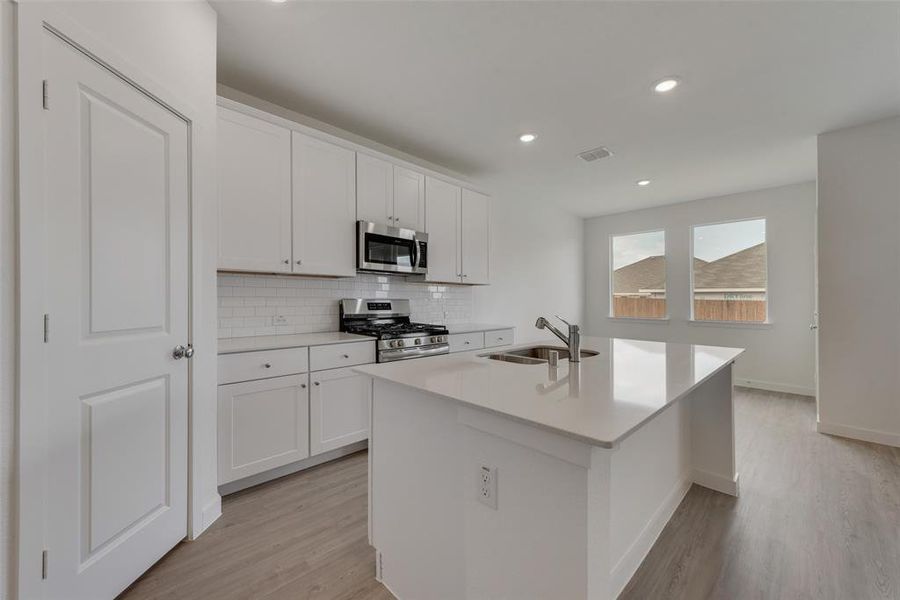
(611, 272)
(693, 320)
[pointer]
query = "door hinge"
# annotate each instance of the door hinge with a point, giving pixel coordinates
(46, 328)
(46, 94)
(44, 564)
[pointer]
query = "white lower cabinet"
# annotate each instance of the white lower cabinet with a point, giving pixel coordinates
(460, 342)
(263, 424)
(339, 404)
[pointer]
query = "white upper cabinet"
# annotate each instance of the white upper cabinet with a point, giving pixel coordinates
(254, 181)
(388, 194)
(374, 190)
(475, 239)
(442, 203)
(324, 203)
(409, 199)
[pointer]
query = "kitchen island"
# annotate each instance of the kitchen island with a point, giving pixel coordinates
(495, 479)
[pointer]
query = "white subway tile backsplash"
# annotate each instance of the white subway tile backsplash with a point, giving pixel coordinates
(248, 304)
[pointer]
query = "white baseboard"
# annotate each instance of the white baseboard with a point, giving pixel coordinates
(859, 433)
(717, 482)
(770, 386)
(622, 573)
(210, 513)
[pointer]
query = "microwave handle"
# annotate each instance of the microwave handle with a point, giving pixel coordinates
(417, 253)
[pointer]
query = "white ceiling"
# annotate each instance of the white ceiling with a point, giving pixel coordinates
(456, 83)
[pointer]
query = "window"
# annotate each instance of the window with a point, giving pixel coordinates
(639, 275)
(729, 279)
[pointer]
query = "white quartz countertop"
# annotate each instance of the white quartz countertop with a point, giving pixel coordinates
(600, 400)
(473, 327)
(297, 340)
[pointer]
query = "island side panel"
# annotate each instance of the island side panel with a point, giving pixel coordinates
(712, 433)
(417, 509)
(532, 545)
(649, 475)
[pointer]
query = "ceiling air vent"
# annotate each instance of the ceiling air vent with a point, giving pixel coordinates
(595, 154)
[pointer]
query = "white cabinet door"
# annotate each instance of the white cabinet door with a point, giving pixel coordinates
(262, 425)
(475, 237)
(254, 180)
(338, 409)
(409, 199)
(442, 202)
(324, 201)
(374, 190)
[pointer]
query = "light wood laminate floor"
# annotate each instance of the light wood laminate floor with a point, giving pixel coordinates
(818, 517)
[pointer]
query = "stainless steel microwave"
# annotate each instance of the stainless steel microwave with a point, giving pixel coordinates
(386, 249)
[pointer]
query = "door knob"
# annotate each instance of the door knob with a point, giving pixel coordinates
(180, 352)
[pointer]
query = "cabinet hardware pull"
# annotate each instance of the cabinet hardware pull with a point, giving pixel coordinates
(316, 382)
(303, 386)
(346, 355)
(268, 365)
(287, 261)
(299, 262)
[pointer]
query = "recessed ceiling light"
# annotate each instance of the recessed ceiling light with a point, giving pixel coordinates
(666, 85)
(279, 1)
(527, 137)
(643, 182)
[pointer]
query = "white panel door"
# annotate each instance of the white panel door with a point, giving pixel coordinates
(262, 425)
(117, 290)
(409, 199)
(475, 237)
(374, 190)
(254, 192)
(324, 201)
(442, 202)
(339, 403)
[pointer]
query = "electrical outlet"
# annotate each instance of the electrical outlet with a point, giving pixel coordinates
(279, 320)
(487, 486)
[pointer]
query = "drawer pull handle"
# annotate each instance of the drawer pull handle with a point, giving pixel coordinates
(302, 386)
(500, 339)
(316, 382)
(467, 342)
(268, 365)
(346, 355)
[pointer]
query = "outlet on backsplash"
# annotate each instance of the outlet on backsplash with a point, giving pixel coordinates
(271, 304)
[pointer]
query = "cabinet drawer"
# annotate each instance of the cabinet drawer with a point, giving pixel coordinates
(246, 366)
(500, 337)
(466, 341)
(333, 356)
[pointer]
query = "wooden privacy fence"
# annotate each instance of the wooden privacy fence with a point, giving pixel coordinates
(704, 310)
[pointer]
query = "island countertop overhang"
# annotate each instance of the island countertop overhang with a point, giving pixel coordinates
(599, 401)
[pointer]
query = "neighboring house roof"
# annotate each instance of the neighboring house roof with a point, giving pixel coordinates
(739, 271)
(645, 273)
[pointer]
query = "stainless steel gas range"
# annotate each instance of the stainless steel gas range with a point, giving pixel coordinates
(388, 320)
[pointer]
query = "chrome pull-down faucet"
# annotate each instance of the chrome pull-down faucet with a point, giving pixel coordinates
(573, 340)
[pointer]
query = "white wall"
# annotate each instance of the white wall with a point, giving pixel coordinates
(780, 355)
(537, 266)
(7, 296)
(859, 281)
(170, 49)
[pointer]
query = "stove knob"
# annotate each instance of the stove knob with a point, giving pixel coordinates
(392, 344)
(400, 343)
(418, 341)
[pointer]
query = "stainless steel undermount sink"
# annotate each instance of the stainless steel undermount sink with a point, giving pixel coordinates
(535, 355)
